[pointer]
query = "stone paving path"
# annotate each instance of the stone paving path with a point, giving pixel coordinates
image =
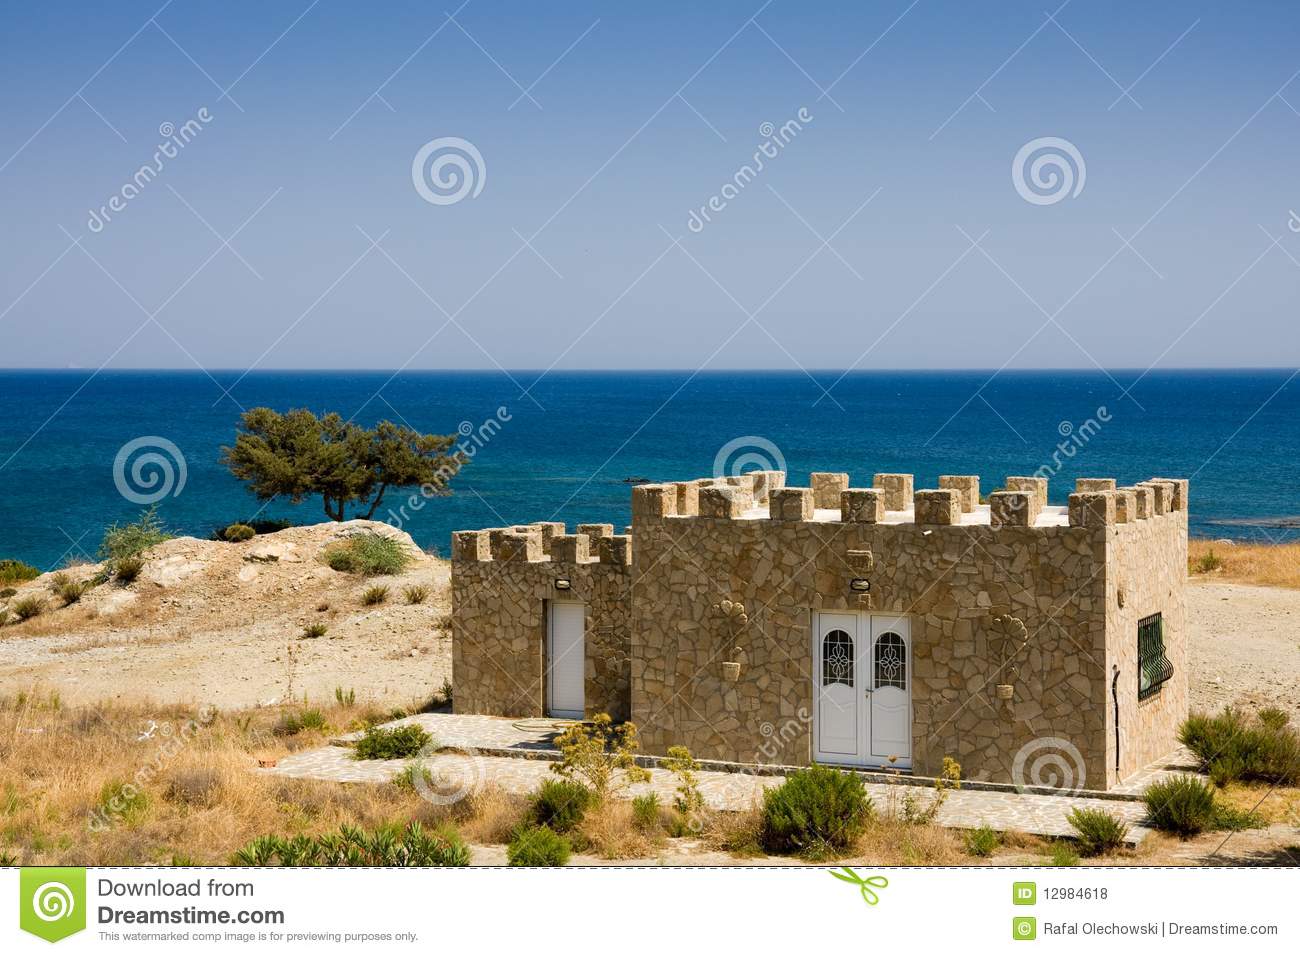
(458, 772)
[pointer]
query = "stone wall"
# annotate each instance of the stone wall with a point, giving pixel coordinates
(1147, 573)
(502, 581)
(1017, 623)
(952, 582)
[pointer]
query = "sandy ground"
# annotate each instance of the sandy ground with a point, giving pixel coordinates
(1245, 646)
(211, 622)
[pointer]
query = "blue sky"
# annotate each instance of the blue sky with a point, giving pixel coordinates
(634, 117)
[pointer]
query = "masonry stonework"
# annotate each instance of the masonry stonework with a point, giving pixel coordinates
(701, 623)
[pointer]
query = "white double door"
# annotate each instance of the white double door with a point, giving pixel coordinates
(862, 687)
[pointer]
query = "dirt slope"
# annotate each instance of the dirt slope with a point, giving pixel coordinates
(220, 623)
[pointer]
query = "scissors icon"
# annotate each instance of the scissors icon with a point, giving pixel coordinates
(863, 883)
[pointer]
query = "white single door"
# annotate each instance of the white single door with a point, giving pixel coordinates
(840, 690)
(566, 660)
(890, 719)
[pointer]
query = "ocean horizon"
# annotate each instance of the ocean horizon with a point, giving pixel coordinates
(566, 446)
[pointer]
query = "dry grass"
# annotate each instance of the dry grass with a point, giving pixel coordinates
(1276, 565)
(609, 832)
(121, 785)
(488, 816)
(1273, 804)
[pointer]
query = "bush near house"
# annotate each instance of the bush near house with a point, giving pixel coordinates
(596, 752)
(352, 846)
(1231, 746)
(537, 846)
(391, 743)
(816, 811)
(1098, 832)
(560, 804)
(982, 841)
(1183, 805)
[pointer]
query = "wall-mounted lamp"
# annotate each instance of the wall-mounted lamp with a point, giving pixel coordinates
(859, 584)
(563, 584)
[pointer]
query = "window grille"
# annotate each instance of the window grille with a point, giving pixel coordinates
(1154, 668)
(837, 658)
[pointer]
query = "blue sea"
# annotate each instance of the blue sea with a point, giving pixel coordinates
(568, 448)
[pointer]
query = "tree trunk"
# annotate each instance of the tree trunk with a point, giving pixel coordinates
(378, 498)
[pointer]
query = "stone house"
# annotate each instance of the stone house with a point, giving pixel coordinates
(872, 627)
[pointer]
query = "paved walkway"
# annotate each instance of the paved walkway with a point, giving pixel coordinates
(471, 763)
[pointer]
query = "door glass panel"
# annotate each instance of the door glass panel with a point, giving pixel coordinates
(891, 661)
(837, 658)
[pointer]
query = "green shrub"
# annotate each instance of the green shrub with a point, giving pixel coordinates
(1274, 718)
(816, 810)
(352, 846)
(391, 743)
(1183, 804)
(7, 593)
(375, 595)
(1230, 818)
(128, 569)
(13, 571)
(314, 629)
(645, 811)
(67, 590)
(29, 607)
(295, 722)
(1062, 854)
(368, 554)
(416, 594)
(345, 698)
(560, 804)
(123, 800)
(1099, 832)
(600, 754)
(1230, 746)
(235, 533)
(1208, 562)
(129, 540)
(982, 841)
(537, 846)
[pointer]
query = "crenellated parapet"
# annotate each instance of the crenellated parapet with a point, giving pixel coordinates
(543, 542)
(894, 500)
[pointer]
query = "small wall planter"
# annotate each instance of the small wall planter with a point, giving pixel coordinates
(1005, 691)
(731, 670)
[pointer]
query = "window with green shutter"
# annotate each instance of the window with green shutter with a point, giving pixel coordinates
(1154, 668)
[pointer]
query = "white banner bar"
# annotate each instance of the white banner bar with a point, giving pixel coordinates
(628, 910)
